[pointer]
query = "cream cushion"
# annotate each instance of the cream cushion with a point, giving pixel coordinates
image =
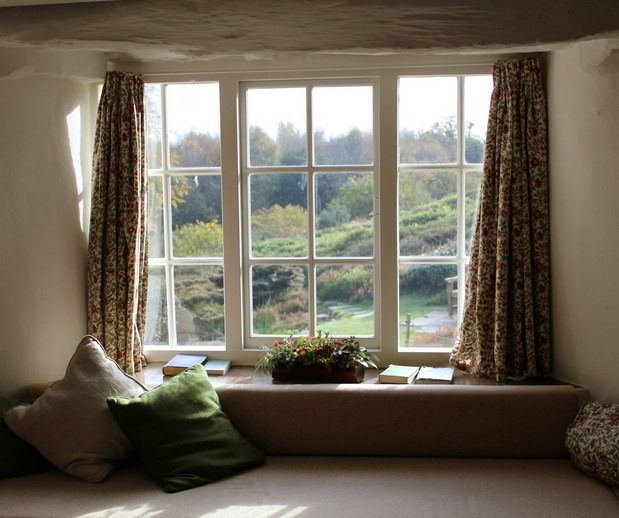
(70, 423)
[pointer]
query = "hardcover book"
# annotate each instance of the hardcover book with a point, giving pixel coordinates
(217, 367)
(398, 374)
(183, 361)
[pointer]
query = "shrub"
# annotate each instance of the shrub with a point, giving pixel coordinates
(199, 239)
(345, 283)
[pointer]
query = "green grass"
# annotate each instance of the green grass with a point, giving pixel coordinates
(415, 305)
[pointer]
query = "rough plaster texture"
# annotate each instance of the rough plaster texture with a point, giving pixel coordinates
(156, 30)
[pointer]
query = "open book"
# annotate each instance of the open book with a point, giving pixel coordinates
(430, 375)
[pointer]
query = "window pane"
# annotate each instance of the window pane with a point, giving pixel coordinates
(199, 304)
(477, 93)
(152, 99)
(196, 216)
(156, 332)
(278, 209)
(345, 304)
(428, 213)
(279, 299)
(344, 205)
(193, 125)
(155, 217)
(428, 313)
(342, 118)
(427, 117)
(276, 125)
(472, 183)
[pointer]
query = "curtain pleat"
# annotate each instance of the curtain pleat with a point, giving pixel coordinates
(117, 246)
(505, 331)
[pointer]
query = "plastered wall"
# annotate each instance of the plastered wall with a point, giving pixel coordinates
(583, 102)
(45, 134)
(45, 128)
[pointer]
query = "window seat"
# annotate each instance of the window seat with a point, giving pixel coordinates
(471, 449)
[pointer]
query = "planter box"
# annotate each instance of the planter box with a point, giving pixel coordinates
(320, 374)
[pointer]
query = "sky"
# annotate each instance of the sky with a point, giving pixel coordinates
(423, 101)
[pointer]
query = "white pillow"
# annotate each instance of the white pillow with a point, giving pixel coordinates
(70, 423)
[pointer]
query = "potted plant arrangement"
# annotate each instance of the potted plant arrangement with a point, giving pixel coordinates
(316, 358)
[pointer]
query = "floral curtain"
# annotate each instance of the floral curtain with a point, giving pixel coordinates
(117, 247)
(505, 330)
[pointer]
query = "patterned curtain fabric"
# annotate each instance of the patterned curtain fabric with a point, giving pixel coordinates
(117, 247)
(505, 330)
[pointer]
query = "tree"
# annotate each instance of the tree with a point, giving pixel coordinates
(357, 194)
(196, 150)
(354, 148)
(198, 198)
(436, 145)
(292, 145)
(262, 148)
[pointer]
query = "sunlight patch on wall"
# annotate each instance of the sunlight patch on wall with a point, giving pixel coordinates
(74, 130)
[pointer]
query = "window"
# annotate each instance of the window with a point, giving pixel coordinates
(310, 240)
(314, 210)
(442, 123)
(185, 303)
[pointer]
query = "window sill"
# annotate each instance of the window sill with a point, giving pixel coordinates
(151, 376)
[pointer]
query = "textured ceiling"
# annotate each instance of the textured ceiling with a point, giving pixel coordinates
(161, 30)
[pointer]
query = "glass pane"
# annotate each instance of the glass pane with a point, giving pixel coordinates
(199, 305)
(152, 99)
(428, 298)
(428, 213)
(344, 205)
(278, 208)
(155, 217)
(427, 117)
(279, 299)
(193, 125)
(345, 299)
(477, 93)
(276, 122)
(196, 216)
(342, 118)
(472, 184)
(156, 332)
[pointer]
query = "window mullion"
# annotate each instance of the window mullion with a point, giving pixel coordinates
(167, 221)
(232, 213)
(311, 196)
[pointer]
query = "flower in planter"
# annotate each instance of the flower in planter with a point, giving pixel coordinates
(304, 351)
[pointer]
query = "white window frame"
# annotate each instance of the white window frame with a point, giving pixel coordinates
(311, 261)
(460, 167)
(169, 261)
(385, 74)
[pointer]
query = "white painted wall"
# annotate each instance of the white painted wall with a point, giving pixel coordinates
(583, 102)
(44, 98)
(45, 127)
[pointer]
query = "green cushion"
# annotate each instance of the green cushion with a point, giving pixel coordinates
(183, 437)
(17, 457)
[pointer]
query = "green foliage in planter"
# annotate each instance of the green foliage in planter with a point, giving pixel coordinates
(315, 350)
